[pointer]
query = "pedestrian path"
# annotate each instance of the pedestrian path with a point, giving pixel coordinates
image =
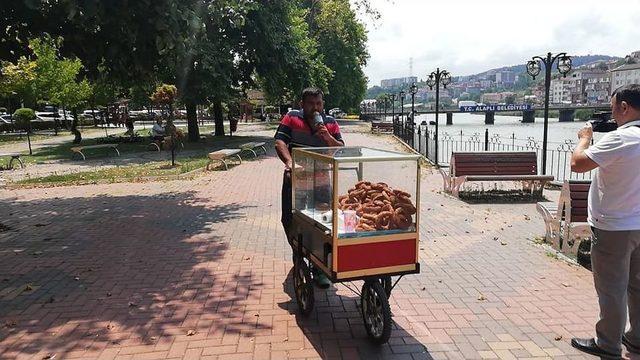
(200, 269)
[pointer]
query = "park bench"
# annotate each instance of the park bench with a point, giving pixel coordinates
(223, 156)
(78, 150)
(566, 220)
(493, 166)
(13, 157)
(252, 146)
(381, 127)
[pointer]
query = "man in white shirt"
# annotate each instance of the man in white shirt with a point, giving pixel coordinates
(614, 216)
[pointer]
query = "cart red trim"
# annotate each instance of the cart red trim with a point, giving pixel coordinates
(376, 255)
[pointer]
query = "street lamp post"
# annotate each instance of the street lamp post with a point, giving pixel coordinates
(392, 97)
(413, 90)
(401, 96)
(533, 69)
(435, 79)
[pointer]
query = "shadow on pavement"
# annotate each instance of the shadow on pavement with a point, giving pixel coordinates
(336, 329)
(81, 274)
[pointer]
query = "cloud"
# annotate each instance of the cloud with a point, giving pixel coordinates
(470, 36)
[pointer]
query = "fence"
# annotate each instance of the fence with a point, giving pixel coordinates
(423, 140)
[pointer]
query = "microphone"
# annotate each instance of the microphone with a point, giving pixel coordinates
(317, 120)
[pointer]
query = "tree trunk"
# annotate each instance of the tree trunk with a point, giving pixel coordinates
(74, 128)
(217, 115)
(192, 122)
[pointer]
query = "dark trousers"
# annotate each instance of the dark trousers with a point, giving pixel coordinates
(615, 260)
(286, 217)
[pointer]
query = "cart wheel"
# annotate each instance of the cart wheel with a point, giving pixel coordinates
(303, 286)
(386, 285)
(376, 312)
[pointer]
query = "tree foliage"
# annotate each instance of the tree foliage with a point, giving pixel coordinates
(342, 40)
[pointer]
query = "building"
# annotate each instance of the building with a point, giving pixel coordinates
(581, 86)
(557, 92)
(505, 78)
(398, 82)
(625, 75)
(496, 98)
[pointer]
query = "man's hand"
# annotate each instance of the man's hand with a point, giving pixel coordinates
(324, 133)
(586, 132)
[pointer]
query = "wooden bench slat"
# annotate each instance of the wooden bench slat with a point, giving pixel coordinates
(509, 177)
(579, 187)
(496, 171)
(578, 203)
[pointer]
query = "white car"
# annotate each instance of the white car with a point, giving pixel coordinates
(5, 119)
(336, 112)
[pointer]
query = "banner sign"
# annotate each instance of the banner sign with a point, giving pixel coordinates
(483, 108)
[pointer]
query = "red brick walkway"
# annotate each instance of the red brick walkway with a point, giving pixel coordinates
(200, 269)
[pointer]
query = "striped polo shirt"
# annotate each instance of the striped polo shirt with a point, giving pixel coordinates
(295, 132)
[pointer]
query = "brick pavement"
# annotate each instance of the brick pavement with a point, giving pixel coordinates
(200, 269)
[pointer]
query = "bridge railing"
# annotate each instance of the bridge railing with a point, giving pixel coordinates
(424, 141)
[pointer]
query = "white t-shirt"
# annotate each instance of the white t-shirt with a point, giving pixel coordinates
(614, 195)
(157, 130)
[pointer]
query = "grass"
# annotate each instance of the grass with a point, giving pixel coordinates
(123, 173)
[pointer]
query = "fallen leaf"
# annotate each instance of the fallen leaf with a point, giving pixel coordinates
(558, 338)
(191, 332)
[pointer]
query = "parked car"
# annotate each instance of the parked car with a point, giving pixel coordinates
(337, 113)
(5, 119)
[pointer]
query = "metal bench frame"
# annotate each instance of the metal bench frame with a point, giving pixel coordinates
(252, 146)
(565, 229)
(223, 159)
(78, 149)
(14, 157)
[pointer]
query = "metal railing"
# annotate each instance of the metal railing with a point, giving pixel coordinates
(423, 141)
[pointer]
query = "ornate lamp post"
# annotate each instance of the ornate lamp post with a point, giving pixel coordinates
(533, 69)
(413, 89)
(435, 79)
(403, 124)
(392, 97)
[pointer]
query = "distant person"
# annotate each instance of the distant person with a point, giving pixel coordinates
(299, 129)
(157, 131)
(614, 216)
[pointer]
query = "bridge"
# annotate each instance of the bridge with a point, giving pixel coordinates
(566, 112)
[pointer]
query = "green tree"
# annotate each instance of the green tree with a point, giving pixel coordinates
(16, 81)
(58, 80)
(23, 118)
(282, 52)
(342, 40)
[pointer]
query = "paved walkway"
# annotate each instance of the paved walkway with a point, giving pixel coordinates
(200, 269)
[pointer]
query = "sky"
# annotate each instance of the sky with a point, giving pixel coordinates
(471, 36)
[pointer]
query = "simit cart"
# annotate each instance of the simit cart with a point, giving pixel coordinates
(355, 213)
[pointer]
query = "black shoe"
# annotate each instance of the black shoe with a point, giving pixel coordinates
(590, 347)
(632, 348)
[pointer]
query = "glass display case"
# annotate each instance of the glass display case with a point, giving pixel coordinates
(360, 204)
